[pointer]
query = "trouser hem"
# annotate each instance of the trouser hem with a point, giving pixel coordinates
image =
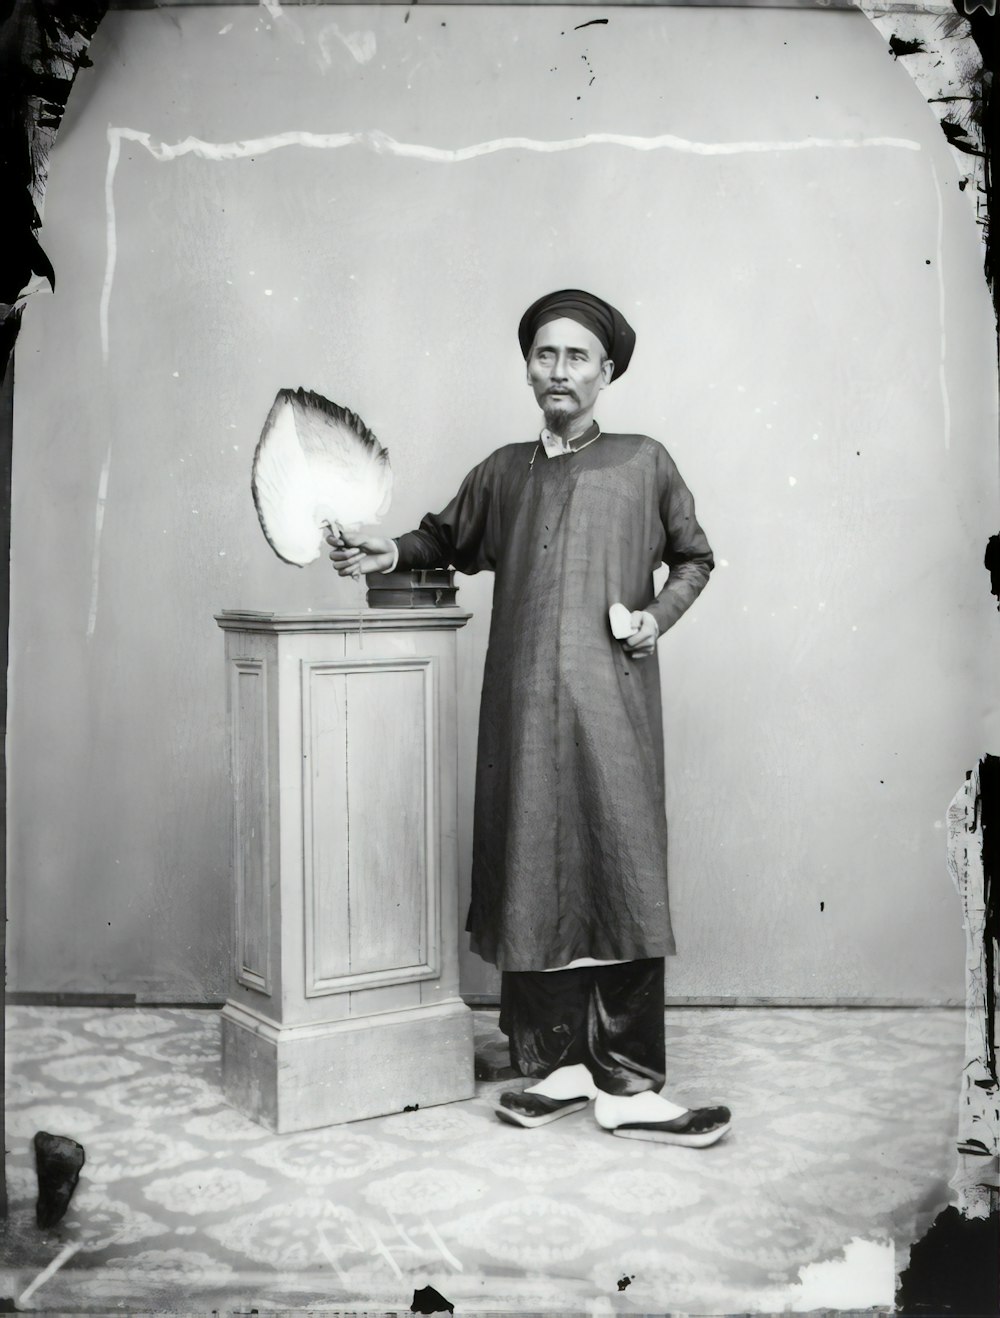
(609, 1018)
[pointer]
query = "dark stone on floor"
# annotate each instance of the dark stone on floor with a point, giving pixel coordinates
(493, 1059)
(953, 1269)
(58, 1161)
(428, 1300)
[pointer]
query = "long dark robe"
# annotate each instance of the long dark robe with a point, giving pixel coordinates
(570, 836)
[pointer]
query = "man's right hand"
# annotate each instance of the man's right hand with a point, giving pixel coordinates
(354, 556)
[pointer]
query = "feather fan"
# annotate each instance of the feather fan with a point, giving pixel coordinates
(316, 465)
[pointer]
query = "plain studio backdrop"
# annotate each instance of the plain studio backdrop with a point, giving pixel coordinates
(815, 348)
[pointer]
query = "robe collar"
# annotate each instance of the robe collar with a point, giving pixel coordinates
(555, 447)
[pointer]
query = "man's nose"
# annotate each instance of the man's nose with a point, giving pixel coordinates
(558, 371)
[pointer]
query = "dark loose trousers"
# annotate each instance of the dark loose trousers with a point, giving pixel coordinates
(610, 1018)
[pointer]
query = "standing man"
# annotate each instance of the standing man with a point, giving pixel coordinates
(569, 882)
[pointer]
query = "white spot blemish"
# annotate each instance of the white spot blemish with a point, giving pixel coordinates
(268, 292)
(177, 375)
(723, 562)
(382, 144)
(361, 45)
(815, 436)
(792, 480)
(222, 553)
(865, 1278)
(224, 30)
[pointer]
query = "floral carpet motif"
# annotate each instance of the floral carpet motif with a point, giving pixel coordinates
(844, 1128)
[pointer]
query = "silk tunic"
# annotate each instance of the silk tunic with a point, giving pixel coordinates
(570, 831)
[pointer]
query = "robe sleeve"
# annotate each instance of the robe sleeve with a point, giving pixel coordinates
(687, 554)
(462, 534)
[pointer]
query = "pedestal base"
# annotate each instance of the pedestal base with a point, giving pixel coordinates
(303, 1076)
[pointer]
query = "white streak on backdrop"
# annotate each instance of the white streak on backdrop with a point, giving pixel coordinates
(95, 569)
(382, 144)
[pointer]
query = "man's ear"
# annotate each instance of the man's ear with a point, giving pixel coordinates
(607, 370)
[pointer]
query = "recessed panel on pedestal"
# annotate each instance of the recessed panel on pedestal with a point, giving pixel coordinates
(370, 823)
(250, 773)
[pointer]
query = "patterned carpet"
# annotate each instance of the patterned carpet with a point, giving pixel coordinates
(844, 1124)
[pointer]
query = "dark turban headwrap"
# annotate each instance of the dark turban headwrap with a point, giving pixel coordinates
(600, 317)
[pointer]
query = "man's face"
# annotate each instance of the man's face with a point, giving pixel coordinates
(567, 369)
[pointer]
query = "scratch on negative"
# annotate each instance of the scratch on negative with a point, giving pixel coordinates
(445, 1252)
(324, 1245)
(95, 570)
(62, 1257)
(382, 144)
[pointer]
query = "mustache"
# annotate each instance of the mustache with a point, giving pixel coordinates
(555, 390)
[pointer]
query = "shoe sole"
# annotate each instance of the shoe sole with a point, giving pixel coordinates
(699, 1140)
(521, 1119)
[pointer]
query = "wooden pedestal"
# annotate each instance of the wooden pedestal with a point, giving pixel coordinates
(344, 999)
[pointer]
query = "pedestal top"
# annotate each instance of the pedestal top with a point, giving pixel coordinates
(344, 620)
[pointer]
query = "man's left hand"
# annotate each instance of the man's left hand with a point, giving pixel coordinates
(642, 642)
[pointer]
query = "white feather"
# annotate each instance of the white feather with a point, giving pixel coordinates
(316, 464)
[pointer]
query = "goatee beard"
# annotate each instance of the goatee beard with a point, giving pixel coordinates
(557, 419)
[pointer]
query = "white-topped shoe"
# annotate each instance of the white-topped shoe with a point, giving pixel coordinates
(567, 1089)
(649, 1116)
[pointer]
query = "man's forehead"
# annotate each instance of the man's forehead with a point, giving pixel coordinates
(567, 333)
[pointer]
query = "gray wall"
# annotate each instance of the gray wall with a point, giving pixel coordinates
(815, 348)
